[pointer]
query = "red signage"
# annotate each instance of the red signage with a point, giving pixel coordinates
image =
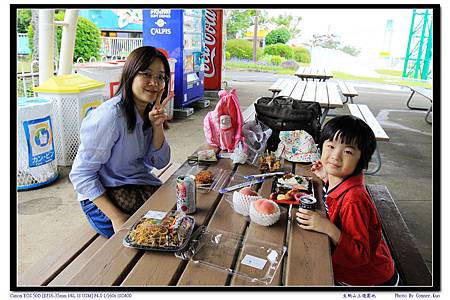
(213, 49)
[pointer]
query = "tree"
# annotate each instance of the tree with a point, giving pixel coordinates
(239, 20)
(23, 20)
(351, 50)
(326, 41)
(278, 36)
(291, 23)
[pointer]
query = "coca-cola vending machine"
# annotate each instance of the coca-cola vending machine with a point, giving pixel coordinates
(213, 56)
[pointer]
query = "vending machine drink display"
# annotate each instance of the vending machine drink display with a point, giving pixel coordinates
(74, 97)
(180, 33)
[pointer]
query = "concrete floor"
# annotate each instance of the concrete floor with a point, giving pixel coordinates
(48, 215)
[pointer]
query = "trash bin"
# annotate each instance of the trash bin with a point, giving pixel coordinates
(107, 72)
(36, 163)
(74, 96)
(169, 109)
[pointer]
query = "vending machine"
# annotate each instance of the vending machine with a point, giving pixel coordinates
(180, 33)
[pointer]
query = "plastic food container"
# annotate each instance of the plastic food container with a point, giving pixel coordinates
(160, 231)
(257, 260)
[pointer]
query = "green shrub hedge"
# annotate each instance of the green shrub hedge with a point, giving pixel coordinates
(302, 55)
(242, 49)
(280, 50)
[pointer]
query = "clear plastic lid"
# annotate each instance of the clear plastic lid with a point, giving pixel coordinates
(257, 260)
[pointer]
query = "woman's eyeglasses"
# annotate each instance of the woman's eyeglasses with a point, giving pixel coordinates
(148, 76)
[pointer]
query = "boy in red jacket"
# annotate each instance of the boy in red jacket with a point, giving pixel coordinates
(360, 255)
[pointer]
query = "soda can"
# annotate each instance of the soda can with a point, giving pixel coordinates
(186, 196)
(308, 202)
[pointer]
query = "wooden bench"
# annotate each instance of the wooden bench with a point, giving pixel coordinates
(363, 112)
(279, 85)
(408, 261)
(67, 258)
(348, 91)
(427, 93)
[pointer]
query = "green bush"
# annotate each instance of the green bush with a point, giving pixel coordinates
(87, 41)
(278, 36)
(276, 60)
(242, 49)
(227, 55)
(280, 50)
(302, 55)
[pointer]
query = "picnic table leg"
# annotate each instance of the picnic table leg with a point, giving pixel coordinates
(378, 160)
(345, 101)
(351, 100)
(324, 115)
(428, 114)
(414, 107)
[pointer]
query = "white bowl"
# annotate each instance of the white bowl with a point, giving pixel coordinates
(241, 202)
(264, 219)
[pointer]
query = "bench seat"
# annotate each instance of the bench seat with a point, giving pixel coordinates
(348, 91)
(409, 262)
(363, 112)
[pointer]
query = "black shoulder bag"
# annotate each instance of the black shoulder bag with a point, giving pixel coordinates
(285, 113)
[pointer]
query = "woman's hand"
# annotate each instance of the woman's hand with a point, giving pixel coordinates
(117, 222)
(157, 115)
(318, 169)
(311, 220)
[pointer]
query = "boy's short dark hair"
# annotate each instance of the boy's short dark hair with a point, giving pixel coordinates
(351, 130)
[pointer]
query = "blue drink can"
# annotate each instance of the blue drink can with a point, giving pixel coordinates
(186, 196)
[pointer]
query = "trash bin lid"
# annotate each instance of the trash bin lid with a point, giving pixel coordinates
(24, 101)
(107, 64)
(68, 83)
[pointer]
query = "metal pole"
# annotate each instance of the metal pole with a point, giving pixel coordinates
(67, 41)
(46, 50)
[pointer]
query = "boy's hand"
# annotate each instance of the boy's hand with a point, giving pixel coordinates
(318, 169)
(311, 220)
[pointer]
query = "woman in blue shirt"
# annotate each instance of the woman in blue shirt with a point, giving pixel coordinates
(122, 141)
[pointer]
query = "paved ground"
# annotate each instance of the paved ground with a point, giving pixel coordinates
(49, 214)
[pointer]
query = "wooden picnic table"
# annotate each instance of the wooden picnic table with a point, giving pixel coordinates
(305, 73)
(307, 260)
(325, 93)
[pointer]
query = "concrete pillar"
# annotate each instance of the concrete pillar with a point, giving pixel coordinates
(46, 49)
(68, 41)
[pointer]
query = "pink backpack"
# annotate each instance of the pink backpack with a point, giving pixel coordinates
(223, 125)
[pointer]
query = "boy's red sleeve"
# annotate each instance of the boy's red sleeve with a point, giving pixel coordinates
(353, 247)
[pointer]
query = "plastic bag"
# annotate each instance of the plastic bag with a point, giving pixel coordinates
(256, 135)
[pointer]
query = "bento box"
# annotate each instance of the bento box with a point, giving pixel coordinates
(160, 231)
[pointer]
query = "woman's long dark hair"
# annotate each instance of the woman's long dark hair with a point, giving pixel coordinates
(138, 60)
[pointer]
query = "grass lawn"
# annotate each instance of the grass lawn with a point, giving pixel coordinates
(386, 76)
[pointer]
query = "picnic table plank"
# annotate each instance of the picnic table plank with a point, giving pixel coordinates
(343, 88)
(370, 119)
(287, 89)
(48, 267)
(309, 259)
(223, 219)
(64, 277)
(351, 90)
(300, 71)
(273, 234)
(321, 92)
(298, 91)
(276, 86)
(310, 91)
(334, 99)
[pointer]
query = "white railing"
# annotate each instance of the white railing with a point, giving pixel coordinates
(119, 47)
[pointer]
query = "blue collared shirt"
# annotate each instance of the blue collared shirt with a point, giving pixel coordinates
(111, 156)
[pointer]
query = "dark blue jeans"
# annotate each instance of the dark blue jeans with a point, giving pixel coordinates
(98, 220)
